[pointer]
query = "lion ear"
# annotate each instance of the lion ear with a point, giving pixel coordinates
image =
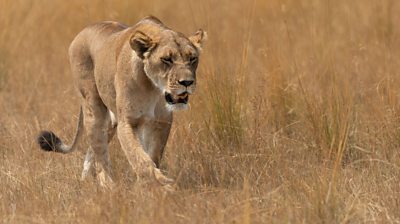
(141, 43)
(198, 38)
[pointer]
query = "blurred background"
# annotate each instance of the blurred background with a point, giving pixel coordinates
(295, 117)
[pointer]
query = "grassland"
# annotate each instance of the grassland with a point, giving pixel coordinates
(296, 118)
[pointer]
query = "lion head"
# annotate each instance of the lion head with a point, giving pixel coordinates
(169, 59)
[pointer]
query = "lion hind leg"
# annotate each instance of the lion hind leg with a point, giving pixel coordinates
(97, 154)
(98, 151)
(112, 125)
(88, 164)
(96, 122)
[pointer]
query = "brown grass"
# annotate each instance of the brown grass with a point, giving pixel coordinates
(296, 118)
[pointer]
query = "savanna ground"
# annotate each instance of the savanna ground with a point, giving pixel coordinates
(295, 119)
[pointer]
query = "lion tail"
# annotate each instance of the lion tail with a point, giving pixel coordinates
(48, 141)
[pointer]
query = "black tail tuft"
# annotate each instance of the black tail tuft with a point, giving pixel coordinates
(48, 141)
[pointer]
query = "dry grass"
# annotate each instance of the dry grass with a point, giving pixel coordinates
(296, 117)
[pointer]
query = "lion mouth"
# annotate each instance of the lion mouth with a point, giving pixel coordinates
(181, 98)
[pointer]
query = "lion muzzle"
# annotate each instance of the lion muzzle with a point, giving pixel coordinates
(176, 99)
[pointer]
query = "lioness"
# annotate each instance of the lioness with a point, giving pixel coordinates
(130, 79)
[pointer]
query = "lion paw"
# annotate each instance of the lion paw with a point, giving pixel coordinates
(161, 178)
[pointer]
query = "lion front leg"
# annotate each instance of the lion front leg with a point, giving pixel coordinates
(155, 134)
(140, 161)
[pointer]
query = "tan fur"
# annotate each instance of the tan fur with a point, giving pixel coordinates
(126, 71)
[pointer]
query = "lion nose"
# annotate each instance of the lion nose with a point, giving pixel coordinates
(186, 83)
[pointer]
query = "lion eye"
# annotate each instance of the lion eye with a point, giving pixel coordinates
(167, 60)
(192, 60)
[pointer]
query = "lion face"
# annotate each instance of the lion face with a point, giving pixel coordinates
(170, 62)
